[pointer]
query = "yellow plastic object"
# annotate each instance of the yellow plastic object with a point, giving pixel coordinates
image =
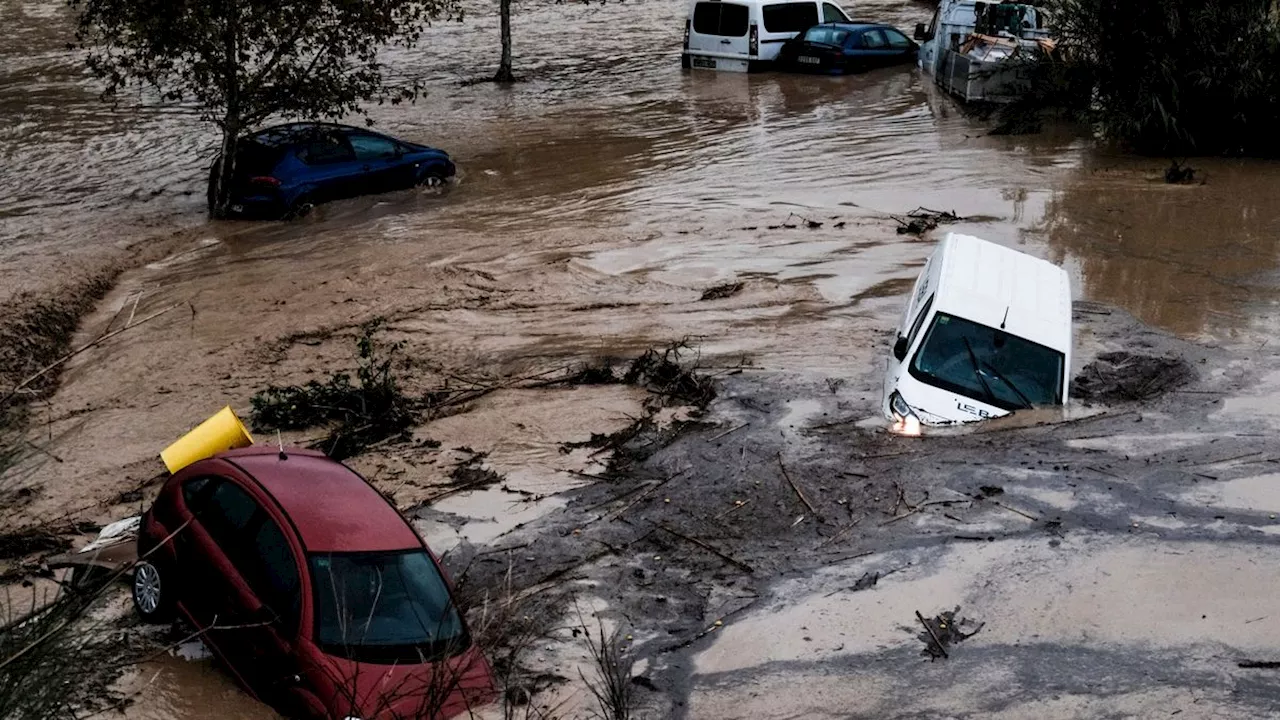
(223, 431)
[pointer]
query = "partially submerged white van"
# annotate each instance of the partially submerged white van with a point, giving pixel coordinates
(746, 35)
(987, 331)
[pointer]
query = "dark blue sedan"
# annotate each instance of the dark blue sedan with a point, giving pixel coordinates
(837, 48)
(286, 170)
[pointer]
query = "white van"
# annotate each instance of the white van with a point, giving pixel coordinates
(987, 331)
(746, 35)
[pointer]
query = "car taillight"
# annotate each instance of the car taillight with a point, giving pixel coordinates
(265, 180)
(754, 47)
(686, 33)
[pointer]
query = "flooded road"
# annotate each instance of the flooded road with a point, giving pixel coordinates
(598, 199)
(608, 134)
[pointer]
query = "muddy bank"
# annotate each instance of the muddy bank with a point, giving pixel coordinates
(737, 556)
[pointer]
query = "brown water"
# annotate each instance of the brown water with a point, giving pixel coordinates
(609, 133)
(597, 200)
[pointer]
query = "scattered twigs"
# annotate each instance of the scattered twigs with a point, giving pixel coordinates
(708, 630)
(736, 506)
(645, 494)
(727, 558)
(895, 519)
(900, 501)
(843, 532)
(608, 501)
(867, 581)
(799, 493)
(1014, 510)
(87, 346)
(810, 224)
(730, 431)
(929, 628)
(64, 623)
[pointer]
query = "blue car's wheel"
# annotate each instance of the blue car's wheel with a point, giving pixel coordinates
(300, 208)
(434, 176)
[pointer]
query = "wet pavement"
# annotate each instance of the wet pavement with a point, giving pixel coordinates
(597, 201)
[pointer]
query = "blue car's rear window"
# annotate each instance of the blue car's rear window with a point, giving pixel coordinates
(253, 158)
(826, 35)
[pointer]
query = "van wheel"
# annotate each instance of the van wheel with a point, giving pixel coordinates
(152, 592)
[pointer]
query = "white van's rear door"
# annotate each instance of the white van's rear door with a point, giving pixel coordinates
(718, 38)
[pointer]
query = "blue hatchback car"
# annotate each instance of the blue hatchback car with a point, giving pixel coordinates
(838, 48)
(286, 170)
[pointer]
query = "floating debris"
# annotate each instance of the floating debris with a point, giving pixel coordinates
(922, 220)
(719, 292)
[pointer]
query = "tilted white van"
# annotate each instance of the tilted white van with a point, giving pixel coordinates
(987, 331)
(746, 35)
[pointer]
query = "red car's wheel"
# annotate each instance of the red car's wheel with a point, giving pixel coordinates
(152, 592)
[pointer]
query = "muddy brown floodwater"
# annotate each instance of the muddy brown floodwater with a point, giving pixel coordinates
(597, 200)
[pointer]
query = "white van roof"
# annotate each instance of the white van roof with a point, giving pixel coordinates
(995, 285)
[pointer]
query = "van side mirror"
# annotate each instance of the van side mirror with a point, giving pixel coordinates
(900, 348)
(921, 33)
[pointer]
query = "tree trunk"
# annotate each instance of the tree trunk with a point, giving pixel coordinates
(221, 172)
(504, 67)
(220, 180)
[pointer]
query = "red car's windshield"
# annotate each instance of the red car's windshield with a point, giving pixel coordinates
(385, 607)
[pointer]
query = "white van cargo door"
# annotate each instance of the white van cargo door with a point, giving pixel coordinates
(720, 29)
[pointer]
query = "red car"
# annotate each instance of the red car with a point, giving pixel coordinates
(310, 586)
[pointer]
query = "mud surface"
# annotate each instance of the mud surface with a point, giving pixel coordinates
(1095, 552)
(610, 204)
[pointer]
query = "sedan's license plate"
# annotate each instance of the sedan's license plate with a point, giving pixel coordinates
(704, 62)
(810, 60)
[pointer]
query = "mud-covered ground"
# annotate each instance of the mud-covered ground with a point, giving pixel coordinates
(1115, 560)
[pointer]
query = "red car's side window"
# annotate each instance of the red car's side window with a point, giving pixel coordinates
(252, 541)
(195, 492)
(273, 575)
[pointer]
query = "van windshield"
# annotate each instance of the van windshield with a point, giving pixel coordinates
(988, 365)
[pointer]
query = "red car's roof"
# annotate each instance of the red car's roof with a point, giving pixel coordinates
(333, 508)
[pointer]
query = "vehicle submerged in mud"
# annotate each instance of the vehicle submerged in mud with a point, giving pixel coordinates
(984, 52)
(987, 331)
(310, 586)
(839, 48)
(286, 170)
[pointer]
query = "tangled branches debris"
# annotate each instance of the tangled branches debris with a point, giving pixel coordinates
(719, 292)
(370, 409)
(942, 631)
(672, 381)
(59, 657)
(1123, 376)
(922, 220)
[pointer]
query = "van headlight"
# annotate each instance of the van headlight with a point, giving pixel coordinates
(905, 421)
